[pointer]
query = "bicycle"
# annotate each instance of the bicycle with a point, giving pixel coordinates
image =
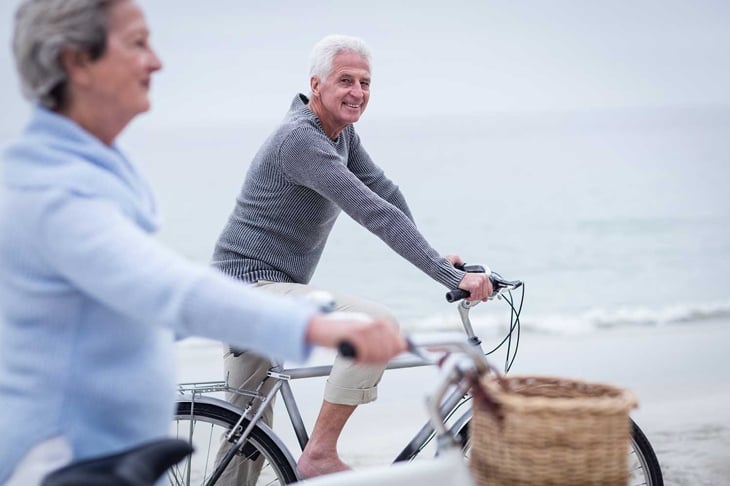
(202, 419)
(142, 465)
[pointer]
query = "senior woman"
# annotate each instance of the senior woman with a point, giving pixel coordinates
(90, 300)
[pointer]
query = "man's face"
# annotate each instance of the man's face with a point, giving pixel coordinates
(344, 94)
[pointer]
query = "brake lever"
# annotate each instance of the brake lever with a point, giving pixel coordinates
(499, 284)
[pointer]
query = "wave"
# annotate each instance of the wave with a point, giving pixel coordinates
(579, 322)
(584, 322)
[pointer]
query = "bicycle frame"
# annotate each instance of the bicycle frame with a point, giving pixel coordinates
(282, 376)
(450, 403)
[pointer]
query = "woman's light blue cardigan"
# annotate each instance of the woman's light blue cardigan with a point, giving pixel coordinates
(91, 302)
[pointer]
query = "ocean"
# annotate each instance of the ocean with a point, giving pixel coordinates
(611, 218)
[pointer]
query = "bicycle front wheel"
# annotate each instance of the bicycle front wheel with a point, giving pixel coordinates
(204, 425)
(644, 467)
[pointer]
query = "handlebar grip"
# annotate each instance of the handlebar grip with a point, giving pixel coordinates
(456, 294)
(347, 350)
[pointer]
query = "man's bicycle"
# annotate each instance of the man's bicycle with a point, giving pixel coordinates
(207, 422)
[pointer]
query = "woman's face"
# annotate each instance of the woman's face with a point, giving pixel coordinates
(119, 81)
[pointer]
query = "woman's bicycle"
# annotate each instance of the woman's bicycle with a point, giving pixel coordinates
(208, 422)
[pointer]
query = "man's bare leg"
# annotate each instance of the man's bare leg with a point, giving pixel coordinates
(320, 455)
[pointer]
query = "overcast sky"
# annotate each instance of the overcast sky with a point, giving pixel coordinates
(232, 59)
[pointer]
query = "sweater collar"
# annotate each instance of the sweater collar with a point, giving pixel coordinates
(56, 153)
(300, 106)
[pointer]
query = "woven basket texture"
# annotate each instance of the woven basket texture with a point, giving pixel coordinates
(550, 431)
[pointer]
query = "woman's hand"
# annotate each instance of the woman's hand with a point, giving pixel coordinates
(375, 341)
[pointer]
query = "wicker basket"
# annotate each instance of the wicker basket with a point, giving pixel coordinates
(550, 431)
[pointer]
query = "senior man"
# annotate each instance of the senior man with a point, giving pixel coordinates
(312, 167)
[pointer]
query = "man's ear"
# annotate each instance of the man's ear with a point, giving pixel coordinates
(76, 64)
(314, 86)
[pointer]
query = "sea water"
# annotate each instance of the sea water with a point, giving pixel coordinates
(611, 218)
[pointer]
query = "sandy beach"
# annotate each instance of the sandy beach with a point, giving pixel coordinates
(677, 372)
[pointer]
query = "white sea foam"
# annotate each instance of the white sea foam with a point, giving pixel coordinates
(491, 327)
(588, 321)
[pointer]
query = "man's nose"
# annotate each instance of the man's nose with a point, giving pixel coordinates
(357, 90)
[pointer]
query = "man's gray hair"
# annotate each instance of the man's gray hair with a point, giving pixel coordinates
(325, 50)
(43, 30)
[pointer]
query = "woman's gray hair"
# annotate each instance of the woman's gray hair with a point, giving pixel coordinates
(320, 60)
(43, 30)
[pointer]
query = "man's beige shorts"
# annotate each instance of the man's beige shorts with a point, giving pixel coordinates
(348, 383)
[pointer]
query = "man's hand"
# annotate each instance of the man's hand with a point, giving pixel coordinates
(375, 341)
(454, 259)
(478, 285)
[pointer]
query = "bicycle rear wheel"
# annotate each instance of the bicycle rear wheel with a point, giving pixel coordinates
(643, 463)
(203, 425)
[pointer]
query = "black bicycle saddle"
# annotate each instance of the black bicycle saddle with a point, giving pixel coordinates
(140, 466)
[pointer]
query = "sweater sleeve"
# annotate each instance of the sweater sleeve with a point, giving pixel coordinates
(104, 254)
(374, 177)
(308, 158)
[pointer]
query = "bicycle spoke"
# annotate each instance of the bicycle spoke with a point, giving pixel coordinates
(206, 430)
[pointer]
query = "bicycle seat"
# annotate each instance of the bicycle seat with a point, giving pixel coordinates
(140, 466)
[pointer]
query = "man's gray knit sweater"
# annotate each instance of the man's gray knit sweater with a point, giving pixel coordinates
(294, 190)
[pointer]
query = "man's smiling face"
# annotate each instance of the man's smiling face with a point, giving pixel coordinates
(344, 94)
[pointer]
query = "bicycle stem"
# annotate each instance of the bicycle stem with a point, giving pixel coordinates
(464, 307)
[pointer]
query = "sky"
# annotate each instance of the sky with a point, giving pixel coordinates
(230, 60)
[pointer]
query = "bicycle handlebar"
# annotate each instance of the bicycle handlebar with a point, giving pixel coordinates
(416, 343)
(457, 294)
(499, 284)
(347, 350)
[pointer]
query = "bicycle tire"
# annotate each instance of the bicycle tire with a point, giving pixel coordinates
(646, 456)
(644, 466)
(209, 422)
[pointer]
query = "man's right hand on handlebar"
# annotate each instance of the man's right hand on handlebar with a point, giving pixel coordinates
(478, 285)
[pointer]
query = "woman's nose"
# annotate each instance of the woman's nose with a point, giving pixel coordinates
(155, 62)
